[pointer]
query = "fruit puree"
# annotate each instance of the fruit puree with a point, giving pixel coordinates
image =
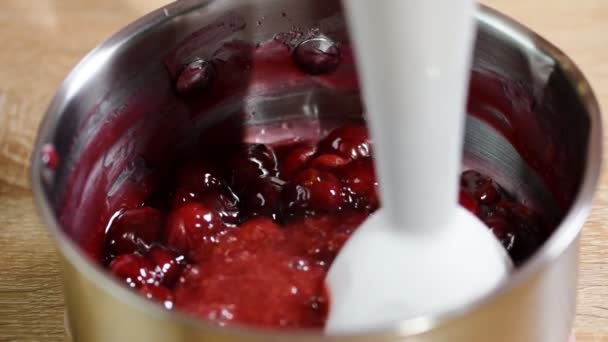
(245, 233)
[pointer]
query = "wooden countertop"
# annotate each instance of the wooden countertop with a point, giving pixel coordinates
(41, 40)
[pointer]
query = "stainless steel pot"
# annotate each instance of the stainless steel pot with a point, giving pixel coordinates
(534, 126)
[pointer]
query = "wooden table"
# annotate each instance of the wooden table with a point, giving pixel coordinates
(41, 40)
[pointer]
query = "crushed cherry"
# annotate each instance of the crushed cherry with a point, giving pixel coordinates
(310, 192)
(247, 236)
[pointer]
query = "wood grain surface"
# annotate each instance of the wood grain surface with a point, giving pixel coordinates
(41, 40)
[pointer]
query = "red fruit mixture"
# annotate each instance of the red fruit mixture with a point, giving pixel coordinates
(247, 237)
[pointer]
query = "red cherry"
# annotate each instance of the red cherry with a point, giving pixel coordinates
(312, 191)
(49, 156)
(359, 181)
(133, 230)
(261, 197)
(529, 232)
(196, 182)
(469, 180)
(198, 177)
(295, 160)
(134, 269)
(316, 58)
(468, 202)
(328, 162)
(193, 228)
(158, 293)
(222, 200)
(522, 229)
(488, 193)
(225, 203)
(251, 162)
(483, 188)
(195, 77)
(166, 264)
(350, 142)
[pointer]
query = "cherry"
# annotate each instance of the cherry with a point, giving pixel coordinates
(328, 162)
(295, 160)
(133, 230)
(310, 192)
(198, 177)
(225, 204)
(248, 235)
(359, 181)
(251, 162)
(483, 188)
(157, 293)
(261, 197)
(517, 227)
(134, 269)
(192, 228)
(527, 226)
(224, 201)
(166, 264)
(350, 142)
(316, 56)
(488, 193)
(196, 183)
(468, 202)
(49, 156)
(195, 77)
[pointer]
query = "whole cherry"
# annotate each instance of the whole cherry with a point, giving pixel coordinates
(350, 142)
(167, 265)
(359, 182)
(261, 197)
(310, 192)
(295, 160)
(133, 230)
(192, 228)
(251, 162)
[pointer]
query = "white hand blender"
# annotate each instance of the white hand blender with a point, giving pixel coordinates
(421, 253)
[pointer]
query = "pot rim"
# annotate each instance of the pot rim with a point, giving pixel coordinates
(564, 235)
